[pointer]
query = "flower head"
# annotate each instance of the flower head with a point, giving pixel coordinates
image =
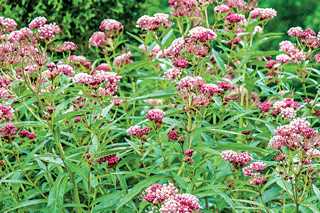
(155, 115)
(37, 22)
(202, 34)
(97, 39)
(263, 13)
(158, 193)
(237, 159)
(48, 31)
(138, 131)
(111, 25)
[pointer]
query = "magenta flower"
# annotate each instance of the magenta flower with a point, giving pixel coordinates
(6, 112)
(155, 115)
(111, 160)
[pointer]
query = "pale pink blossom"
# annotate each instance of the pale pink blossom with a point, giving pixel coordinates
(97, 39)
(111, 25)
(158, 193)
(138, 131)
(123, 59)
(263, 13)
(222, 8)
(202, 34)
(37, 22)
(48, 31)
(184, 203)
(172, 73)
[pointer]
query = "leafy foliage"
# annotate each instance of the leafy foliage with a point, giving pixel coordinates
(198, 103)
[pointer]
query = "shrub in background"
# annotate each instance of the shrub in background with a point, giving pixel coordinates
(78, 17)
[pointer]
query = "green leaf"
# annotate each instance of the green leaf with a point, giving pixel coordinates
(25, 204)
(56, 195)
(108, 201)
(316, 191)
(219, 60)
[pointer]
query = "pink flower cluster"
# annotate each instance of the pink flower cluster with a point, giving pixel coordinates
(167, 195)
(98, 39)
(195, 44)
(254, 171)
(197, 90)
(111, 160)
(234, 18)
(222, 8)
(174, 135)
(4, 87)
(108, 28)
(181, 203)
(56, 69)
(175, 48)
(103, 67)
(263, 13)
(205, 2)
(286, 108)
(6, 113)
(155, 115)
(292, 53)
(7, 25)
(308, 37)
(188, 153)
(265, 106)
(110, 25)
(106, 82)
(202, 34)
(235, 3)
(123, 59)
(66, 47)
(158, 193)
(48, 31)
(20, 35)
(317, 58)
(37, 22)
(184, 7)
(80, 60)
(236, 159)
(298, 134)
(137, 131)
(27, 134)
(172, 73)
(257, 181)
(21, 47)
(8, 131)
(154, 22)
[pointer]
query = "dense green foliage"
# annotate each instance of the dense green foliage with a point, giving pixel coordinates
(78, 17)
